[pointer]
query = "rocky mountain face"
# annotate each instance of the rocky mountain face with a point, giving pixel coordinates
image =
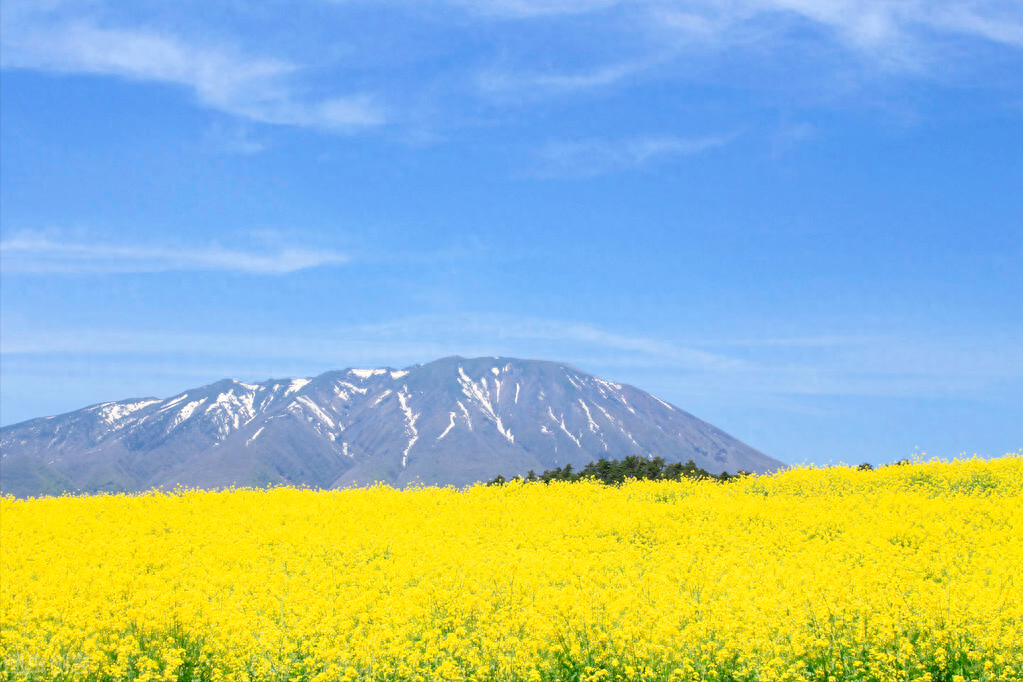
(453, 421)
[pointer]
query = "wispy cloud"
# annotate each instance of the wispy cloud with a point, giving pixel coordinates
(584, 158)
(256, 88)
(531, 84)
(826, 341)
(509, 332)
(888, 36)
(37, 255)
(294, 79)
(528, 9)
(866, 24)
(400, 341)
(999, 22)
(824, 366)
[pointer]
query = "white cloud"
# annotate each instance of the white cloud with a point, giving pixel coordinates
(255, 88)
(529, 9)
(866, 24)
(29, 254)
(503, 83)
(397, 342)
(584, 158)
(825, 341)
(824, 366)
(300, 81)
(895, 35)
(509, 332)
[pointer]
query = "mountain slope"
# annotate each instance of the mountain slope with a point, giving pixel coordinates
(452, 421)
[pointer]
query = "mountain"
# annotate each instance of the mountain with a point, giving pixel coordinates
(452, 421)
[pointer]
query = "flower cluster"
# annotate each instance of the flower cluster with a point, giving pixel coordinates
(900, 573)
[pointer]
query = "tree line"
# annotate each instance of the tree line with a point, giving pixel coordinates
(616, 471)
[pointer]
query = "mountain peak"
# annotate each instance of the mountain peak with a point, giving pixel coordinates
(452, 421)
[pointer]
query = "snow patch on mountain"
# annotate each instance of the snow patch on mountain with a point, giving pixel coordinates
(345, 386)
(315, 410)
(465, 412)
(186, 412)
(626, 403)
(296, 385)
(367, 373)
(610, 419)
(670, 407)
(172, 402)
(113, 412)
(451, 425)
(561, 423)
(480, 394)
(410, 420)
(593, 425)
(255, 435)
(229, 410)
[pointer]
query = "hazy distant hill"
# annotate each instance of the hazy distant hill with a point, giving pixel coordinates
(452, 421)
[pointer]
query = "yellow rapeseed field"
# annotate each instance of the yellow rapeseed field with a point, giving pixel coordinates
(901, 573)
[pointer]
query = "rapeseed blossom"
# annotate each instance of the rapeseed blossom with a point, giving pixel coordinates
(901, 573)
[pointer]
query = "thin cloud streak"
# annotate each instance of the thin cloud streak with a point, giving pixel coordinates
(30, 255)
(254, 88)
(867, 25)
(585, 158)
(626, 39)
(528, 85)
(901, 368)
(434, 335)
(807, 341)
(887, 37)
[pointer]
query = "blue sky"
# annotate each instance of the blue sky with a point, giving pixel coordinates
(801, 220)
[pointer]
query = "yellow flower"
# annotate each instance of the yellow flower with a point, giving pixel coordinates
(687, 580)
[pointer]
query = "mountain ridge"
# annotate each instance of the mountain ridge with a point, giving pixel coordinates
(453, 421)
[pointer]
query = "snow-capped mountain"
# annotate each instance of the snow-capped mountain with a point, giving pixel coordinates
(452, 421)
